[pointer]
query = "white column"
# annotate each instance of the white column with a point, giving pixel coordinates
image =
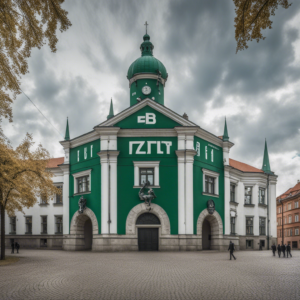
(104, 193)
(113, 191)
(189, 201)
(66, 199)
(272, 209)
(181, 206)
(227, 201)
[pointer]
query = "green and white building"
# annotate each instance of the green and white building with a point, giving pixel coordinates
(186, 167)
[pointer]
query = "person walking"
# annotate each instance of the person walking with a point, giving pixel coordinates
(283, 249)
(231, 249)
(279, 250)
(13, 247)
(288, 250)
(17, 245)
(273, 249)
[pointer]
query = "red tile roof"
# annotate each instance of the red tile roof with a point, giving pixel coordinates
(243, 167)
(290, 192)
(54, 162)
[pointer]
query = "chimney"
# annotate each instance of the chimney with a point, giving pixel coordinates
(185, 116)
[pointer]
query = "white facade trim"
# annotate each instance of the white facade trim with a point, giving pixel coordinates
(81, 174)
(146, 164)
(214, 175)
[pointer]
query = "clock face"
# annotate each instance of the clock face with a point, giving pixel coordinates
(146, 90)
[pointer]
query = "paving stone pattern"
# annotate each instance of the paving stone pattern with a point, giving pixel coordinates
(150, 275)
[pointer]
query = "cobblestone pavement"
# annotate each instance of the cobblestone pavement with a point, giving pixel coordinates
(150, 275)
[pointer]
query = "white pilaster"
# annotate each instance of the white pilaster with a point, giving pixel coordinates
(272, 208)
(227, 201)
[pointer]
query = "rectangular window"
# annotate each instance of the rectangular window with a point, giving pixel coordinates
(59, 197)
(43, 200)
(58, 224)
(295, 245)
(279, 210)
(85, 152)
(262, 226)
(232, 223)
(261, 196)
(296, 231)
(290, 218)
(43, 242)
(28, 223)
(91, 150)
(285, 232)
(279, 221)
(77, 155)
(146, 175)
(296, 218)
(285, 207)
(44, 224)
(12, 225)
(83, 184)
(289, 206)
(212, 155)
(296, 205)
(205, 152)
(248, 195)
(209, 185)
(291, 232)
(284, 220)
(232, 192)
(249, 225)
(249, 244)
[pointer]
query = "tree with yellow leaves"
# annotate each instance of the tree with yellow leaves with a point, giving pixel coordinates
(252, 16)
(24, 25)
(23, 177)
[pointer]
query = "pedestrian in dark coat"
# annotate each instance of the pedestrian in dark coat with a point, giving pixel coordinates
(12, 247)
(288, 250)
(17, 245)
(231, 249)
(273, 249)
(283, 249)
(279, 250)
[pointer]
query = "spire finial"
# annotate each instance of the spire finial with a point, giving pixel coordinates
(266, 163)
(111, 110)
(225, 135)
(146, 24)
(67, 135)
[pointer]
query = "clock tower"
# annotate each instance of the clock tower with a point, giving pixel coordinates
(147, 75)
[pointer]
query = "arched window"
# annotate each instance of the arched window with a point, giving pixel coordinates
(147, 219)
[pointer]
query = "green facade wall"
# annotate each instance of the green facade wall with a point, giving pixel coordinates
(91, 162)
(167, 194)
(200, 200)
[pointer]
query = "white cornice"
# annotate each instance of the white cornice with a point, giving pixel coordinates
(203, 134)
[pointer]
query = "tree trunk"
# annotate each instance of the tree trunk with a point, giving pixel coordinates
(2, 217)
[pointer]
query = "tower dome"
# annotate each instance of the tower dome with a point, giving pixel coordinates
(147, 63)
(147, 75)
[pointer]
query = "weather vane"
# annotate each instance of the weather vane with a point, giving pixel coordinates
(146, 24)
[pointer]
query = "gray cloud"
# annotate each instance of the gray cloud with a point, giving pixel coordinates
(195, 41)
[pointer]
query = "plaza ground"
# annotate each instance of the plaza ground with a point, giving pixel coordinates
(150, 275)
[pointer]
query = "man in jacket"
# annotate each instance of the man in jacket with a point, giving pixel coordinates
(288, 250)
(273, 249)
(279, 250)
(283, 249)
(17, 245)
(231, 249)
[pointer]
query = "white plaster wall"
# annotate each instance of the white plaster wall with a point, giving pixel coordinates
(36, 212)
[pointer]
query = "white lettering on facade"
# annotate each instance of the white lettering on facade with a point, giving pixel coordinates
(159, 149)
(149, 118)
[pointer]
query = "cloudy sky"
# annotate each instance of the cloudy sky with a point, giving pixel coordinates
(257, 89)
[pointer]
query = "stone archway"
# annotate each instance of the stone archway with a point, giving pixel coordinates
(216, 228)
(78, 220)
(142, 208)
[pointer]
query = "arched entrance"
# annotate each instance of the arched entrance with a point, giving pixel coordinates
(148, 225)
(83, 227)
(206, 235)
(210, 229)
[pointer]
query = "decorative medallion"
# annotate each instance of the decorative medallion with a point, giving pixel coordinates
(211, 206)
(147, 198)
(81, 204)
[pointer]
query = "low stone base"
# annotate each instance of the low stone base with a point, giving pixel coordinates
(108, 243)
(256, 240)
(54, 242)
